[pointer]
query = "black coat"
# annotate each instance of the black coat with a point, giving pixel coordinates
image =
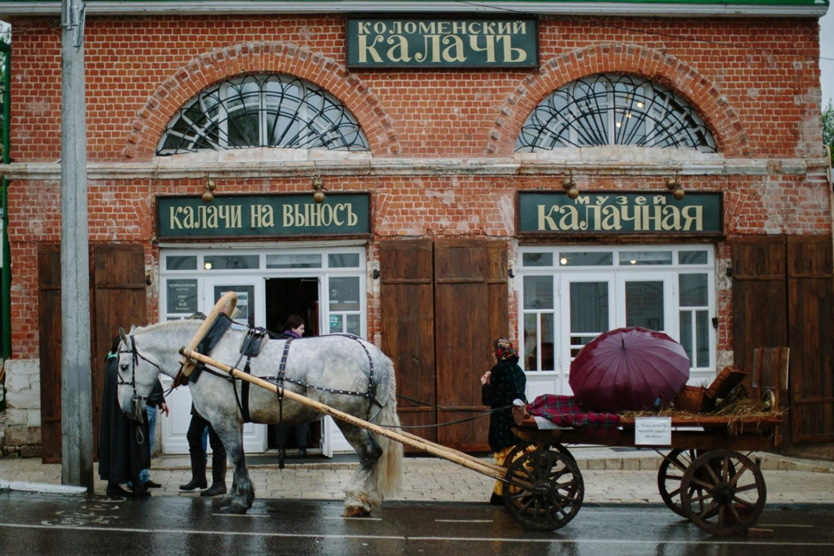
(123, 444)
(506, 383)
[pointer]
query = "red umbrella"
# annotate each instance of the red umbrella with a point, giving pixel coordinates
(629, 369)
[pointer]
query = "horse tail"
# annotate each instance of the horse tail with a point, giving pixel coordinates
(387, 473)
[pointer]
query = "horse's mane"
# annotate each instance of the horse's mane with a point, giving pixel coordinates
(182, 323)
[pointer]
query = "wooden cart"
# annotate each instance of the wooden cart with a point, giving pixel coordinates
(704, 477)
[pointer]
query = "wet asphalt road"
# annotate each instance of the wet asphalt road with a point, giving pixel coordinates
(66, 526)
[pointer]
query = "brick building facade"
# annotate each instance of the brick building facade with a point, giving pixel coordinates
(442, 172)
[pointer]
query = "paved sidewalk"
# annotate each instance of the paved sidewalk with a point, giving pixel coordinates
(611, 475)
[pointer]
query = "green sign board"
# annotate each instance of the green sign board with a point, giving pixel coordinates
(235, 216)
(615, 212)
(441, 43)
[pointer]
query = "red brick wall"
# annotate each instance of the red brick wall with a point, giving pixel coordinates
(756, 83)
(756, 80)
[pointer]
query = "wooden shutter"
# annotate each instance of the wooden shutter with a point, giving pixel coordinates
(811, 322)
(49, 333)
(760, 300)
(407, 304)
(470, 311)
(759, 296)
(119, 299)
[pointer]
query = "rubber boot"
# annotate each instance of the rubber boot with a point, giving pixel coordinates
(198, 473)
(218, 478)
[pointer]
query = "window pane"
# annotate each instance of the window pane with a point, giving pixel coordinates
(344, 294)
(245, 301)
(343, 260)
(588, 307)
(638, 258)
(693, 290)
(177, 262)
(538, 292)
(181, 296)
(702, 337)
(293, 261)
(692, 257)
(547, 342)
(644, 305)
(686, 333)
(336, 323)
(530, 348)
(352, 322)
(537, 259)
(230, 262)
(586, 259)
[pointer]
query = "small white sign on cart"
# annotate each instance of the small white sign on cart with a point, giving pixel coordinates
(653, 431)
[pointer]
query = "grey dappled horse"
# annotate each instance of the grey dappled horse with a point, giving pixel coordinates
(335, 362)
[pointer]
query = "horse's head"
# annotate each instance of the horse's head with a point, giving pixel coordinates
(137, 374)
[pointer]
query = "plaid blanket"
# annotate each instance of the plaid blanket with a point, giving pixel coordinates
(565, 411)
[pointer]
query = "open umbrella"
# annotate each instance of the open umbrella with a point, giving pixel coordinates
(629, 369)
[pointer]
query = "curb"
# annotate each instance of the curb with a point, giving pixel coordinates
(42, 488)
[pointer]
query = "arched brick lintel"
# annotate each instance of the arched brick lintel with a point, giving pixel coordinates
(275, 57)
(652, 64)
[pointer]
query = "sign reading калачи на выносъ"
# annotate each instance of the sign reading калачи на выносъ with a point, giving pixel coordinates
(263, 216)
(441, 43)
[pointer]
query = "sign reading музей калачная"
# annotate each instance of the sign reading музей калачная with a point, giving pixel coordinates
(616, 212)
(435, 42)
(240, 216)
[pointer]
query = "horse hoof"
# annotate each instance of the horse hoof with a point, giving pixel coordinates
(233, 509)
(355, 511)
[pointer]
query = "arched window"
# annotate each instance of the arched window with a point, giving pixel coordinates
(614, 109)
(262, 111)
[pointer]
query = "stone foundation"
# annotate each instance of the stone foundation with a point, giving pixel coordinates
(22, 435)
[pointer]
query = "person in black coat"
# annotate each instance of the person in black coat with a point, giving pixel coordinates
(123, 444)
(501, 385)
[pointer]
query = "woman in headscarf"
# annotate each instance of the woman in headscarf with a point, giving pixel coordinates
(499, 387)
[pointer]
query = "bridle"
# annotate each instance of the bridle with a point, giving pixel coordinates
(138, 414)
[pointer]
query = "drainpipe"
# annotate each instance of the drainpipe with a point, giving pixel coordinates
(830, 176)
(5, 288)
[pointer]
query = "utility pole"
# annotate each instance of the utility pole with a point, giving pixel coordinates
(76, 382)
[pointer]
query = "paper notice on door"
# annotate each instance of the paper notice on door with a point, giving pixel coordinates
(652, 431)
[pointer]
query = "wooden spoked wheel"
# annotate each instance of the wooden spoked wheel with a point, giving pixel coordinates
(732, 495)
(545, 489)
(524, 447)
(670, 477)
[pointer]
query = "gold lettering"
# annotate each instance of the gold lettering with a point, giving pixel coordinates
(399, 51)
(365, 49)
(693, 218)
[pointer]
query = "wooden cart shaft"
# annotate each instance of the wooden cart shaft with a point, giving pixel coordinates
(486, 468)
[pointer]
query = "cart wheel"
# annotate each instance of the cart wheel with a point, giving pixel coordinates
(545, 489)
(733, 495)
(669, 478)
(523, 447)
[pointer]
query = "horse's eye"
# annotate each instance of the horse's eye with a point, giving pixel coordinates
(124, 366)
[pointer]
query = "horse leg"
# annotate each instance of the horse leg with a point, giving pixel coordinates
(361, 493)
(242, 494)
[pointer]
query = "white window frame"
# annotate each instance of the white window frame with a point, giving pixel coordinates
(616, 274)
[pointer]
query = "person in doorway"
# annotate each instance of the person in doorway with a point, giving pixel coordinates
(197, 451)
(294, 327)
(501, 385)
(123, 443)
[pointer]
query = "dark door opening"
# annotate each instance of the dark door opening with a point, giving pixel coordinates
(284, 297)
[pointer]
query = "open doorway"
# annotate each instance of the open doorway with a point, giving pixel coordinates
(285, 297)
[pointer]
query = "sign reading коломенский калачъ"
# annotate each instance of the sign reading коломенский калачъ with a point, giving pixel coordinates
(425, 43)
